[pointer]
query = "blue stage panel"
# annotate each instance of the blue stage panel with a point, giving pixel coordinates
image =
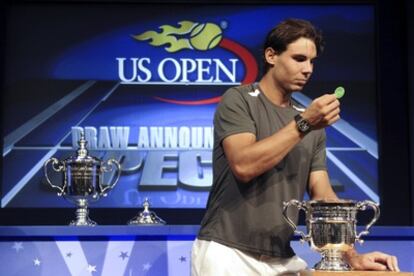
(144, 250)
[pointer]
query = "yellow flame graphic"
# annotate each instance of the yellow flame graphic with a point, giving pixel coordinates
(190, 35)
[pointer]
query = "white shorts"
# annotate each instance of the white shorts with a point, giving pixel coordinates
(209, 258)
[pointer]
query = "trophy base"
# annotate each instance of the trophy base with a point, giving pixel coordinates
(332, 266)
(87, 222)
(82, 215)
(332, 261)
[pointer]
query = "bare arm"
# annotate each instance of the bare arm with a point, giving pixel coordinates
(319, 186)
(249, 158)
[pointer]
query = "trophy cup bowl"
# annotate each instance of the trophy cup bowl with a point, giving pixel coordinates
(82, 180)
(331, 227)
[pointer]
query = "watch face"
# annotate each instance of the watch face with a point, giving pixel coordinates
(303, 125)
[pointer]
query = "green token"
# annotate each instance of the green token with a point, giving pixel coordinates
(339, 92)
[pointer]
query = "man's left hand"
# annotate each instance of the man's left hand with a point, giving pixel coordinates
(373, 261)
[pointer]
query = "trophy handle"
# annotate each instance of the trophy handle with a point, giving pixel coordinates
(362, 206)
(300, 206)
(108, 168)
(56, 169)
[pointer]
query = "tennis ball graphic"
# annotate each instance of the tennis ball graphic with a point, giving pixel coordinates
(205, 36)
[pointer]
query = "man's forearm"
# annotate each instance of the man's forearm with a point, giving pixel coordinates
(252, 160)
(320, 187)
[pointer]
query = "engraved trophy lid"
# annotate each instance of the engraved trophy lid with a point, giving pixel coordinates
(82, 155)
(146, 217)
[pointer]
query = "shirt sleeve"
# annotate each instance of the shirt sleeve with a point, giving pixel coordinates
(233, 115)
(319, 154)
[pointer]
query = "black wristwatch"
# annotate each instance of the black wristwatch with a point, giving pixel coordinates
(302, 125)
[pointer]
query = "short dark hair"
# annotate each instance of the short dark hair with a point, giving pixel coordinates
(289, 31)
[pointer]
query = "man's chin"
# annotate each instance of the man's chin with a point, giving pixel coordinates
(298, 87)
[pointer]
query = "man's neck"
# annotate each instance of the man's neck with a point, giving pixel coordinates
(276, 94)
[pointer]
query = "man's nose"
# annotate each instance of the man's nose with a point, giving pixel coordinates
(307, 68)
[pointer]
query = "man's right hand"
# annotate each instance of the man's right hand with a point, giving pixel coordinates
(322, 112)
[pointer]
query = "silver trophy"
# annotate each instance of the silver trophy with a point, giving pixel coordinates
(146, 217)
(82, 180)
(331, 227)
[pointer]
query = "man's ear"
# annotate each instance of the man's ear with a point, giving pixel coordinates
(270, 55)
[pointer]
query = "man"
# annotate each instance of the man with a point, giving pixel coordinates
(267, 151)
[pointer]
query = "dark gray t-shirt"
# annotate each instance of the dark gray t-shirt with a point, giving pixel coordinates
(248, 216)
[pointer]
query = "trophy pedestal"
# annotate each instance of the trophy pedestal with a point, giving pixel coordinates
(332, 261)
(82, 215)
